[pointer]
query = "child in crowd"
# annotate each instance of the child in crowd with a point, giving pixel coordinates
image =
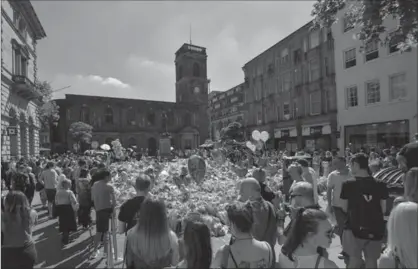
(66, 206)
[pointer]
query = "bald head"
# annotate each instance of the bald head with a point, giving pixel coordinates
(249, 189)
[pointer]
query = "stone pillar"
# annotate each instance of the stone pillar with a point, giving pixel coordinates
(36, 140)
(24, 147)
(5, 142)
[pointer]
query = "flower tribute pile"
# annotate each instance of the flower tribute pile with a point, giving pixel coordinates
(181, 194)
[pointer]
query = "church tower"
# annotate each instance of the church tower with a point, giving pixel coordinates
(191, 75)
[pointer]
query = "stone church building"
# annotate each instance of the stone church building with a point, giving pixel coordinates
(141, 123)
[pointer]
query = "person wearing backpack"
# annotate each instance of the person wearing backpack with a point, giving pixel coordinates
(364, 200)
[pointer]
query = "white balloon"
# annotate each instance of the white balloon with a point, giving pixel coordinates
(249, 144)
(264, 136)
(256, 135)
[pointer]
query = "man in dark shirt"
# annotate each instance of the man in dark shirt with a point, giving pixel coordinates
(301, 195)
(129, 211)
(365, 200)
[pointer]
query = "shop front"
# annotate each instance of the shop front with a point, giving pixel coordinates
(379, 135)
(317, 137)
(286, 139)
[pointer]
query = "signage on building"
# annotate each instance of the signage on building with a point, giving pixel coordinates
(12, 130)
(165, 146)
(337, 134)
(316, 130)
(285, 133)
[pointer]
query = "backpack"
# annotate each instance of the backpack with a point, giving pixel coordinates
(365, 215)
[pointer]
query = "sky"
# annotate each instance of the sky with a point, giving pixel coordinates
(126, 48)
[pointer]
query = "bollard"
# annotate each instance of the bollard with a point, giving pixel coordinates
(112, 249)
(117, 260)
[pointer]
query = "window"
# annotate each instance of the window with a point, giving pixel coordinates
(179, 73)
(314, 72)
(314, 39)
(315, 103)
(16, 61)
(278, 113)
(109, 115)
(285, 56)
(352, 96)
(286, 111)
(295, 109)
(151, 118)
(348, 24)
(372, 50)
(287, 81)
(234, 99)
(68, 114)
(298, 76)
(278, 85)
(187, 144)
(196, 70)
(397, 86)
(350, 58)
(259, 117)
(24, 66)
(393, 44)
(85, 114)
(130, 116)
(373, 92)
(305, 45)
(326, 66)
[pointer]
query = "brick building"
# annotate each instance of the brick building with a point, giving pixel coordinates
(141, 122)
(290, 91)
(20, 32)
(226, 107)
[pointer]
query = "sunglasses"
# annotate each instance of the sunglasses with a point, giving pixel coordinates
(295, 195)
(330, 233)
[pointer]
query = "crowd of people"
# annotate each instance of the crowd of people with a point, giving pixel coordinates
(70, 188)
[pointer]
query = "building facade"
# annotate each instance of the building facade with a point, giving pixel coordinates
(225, 108)
(20, 32)
(376, 89)
(290, 92)
(142, 123)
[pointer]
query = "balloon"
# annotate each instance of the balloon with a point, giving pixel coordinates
(256, 135)
(253, 148)
(264, 136)
(249, 144)
(259, 145)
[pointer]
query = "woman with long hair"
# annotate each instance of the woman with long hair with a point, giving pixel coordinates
(311, 229)
(151, 243)
(17, 221)
(197, 245)
(243, 251)
(402, 249)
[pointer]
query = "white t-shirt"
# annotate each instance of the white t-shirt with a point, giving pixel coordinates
(335, 182)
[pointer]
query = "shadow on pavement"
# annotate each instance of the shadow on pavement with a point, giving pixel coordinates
(52, 253)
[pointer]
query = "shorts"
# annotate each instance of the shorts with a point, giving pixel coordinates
(354, 247)
(102, 220)
(50, 195)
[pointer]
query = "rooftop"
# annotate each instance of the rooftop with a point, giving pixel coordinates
(25, 6)
(190, 48)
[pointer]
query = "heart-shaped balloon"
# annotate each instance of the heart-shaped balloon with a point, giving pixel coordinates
(249, 144)
(253, 148)
(264, 136)
(256, 135)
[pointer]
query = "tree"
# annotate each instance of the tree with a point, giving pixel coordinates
(48, 112)
(368, 16)
(232, 132)
(81, 132)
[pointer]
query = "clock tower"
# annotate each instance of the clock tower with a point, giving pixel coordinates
(191, 75)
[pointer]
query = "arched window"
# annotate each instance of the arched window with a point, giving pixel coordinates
(85, 114)
(179, 73)
(109, 141)
(196, 70)
(130, 116)
(109, 115)
(131, 142)
(151, 118)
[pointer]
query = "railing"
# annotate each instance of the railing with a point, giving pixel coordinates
(21, 79)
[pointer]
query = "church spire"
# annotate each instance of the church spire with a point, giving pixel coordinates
(190, 34)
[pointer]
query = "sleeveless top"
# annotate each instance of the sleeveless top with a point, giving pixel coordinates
(228, 253)
(138, 262)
